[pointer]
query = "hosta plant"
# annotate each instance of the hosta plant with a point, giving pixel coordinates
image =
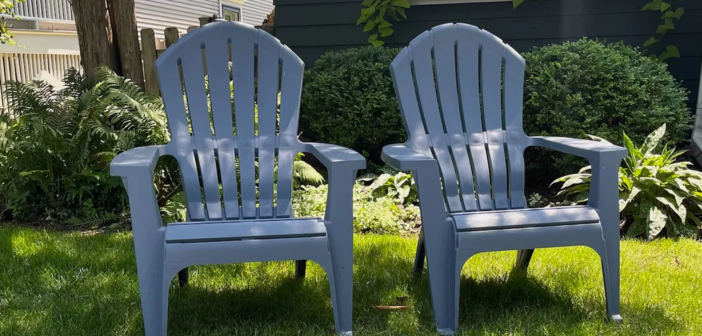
(399, 186)
(655, 191)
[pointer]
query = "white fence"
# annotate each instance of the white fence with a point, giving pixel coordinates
(25, 67)
(44, 9)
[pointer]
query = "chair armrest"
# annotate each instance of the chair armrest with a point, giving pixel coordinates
(587, 149)
(333, 156)
(135, 159)
(136, 167)
(605, 160)
(404, 158)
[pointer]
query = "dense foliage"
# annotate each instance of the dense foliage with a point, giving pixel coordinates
(348, 99)
(56, 145)
(372, 213)
(602, 89)
(655, 191)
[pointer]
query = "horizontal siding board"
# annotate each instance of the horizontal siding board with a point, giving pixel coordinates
(159, 14)
(255, 11)
(522, 28)
(348, 12)
(530, 5)
(313, 27)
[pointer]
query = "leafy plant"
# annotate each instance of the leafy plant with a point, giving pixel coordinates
(348, 99)
(304, 173)
(371, 213)
(655, 191)
(56, 146)
(6, 7)
(375, 13)
(602, 88)
(400, 187)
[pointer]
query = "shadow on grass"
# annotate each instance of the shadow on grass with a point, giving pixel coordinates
(87, 285)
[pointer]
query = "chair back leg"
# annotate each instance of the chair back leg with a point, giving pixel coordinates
(523, 259)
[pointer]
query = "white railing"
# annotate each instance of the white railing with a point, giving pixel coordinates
(25, 67)
(59, 10)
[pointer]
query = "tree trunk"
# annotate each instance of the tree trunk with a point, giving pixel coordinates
(124, 29)
(94, 35)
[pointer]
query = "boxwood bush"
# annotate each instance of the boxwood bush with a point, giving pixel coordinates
(348, 99)
(590, 87)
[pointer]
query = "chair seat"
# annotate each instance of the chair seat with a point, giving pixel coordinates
(197, 232)
(522, 218)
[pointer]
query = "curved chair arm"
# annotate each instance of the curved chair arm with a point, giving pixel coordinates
(605, 160)
(587, 149)
(342, 165)
(404, 158)
(333, 156)
(136, 167)
(134, 160)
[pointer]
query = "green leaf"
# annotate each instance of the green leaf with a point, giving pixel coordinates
(653, 139)
(654, 5)
(516, 3)
(664, 6)
(367, 3)
(377, 43)
(401, 3)
(385, 32)
(384, 24)
(402, 12)
(680, 184)
(637, 228)
(678, 198)
(650, 42)
(372, 38)
(670, 52)
(369, 26)
(655, 222)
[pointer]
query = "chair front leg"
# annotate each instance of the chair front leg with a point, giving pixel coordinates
(440, 247)
(604, 196)
(338, 218)
(149, 247)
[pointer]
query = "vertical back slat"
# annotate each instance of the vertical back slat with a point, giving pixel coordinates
(217, 53)
(196, 97)
(421, 49)
(491, 88)
(469, 39)
(513, 100)
(290, 90)
(242, 50)
(180, 145)
(401, 72)
(267, 98)
(445, 63)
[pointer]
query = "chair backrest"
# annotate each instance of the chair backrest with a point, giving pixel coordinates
(211, 117)
(460, 93)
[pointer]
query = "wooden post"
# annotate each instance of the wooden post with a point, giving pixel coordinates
(124, 29)
(148, 52)
(172, 36)
(94, 35)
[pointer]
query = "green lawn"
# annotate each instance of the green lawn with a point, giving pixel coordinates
(58, 283)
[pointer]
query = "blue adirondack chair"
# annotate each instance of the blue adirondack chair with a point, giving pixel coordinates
(225, 230)
(460, 93)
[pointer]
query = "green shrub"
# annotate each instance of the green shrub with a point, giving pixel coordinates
(56, 146)
(655, 192)
(601, 89)
(371, 214)
(348, 99)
